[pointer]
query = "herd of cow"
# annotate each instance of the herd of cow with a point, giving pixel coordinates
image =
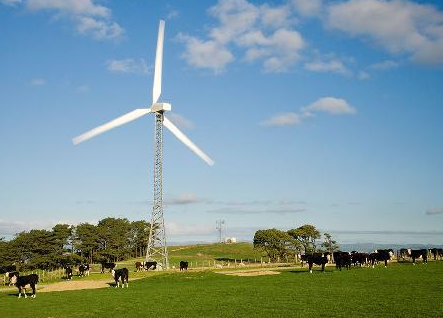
(346, 259)
(341, 259)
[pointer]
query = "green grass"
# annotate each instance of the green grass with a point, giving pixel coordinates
(401, 290)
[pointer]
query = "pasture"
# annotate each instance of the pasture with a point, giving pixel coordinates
(401, 290)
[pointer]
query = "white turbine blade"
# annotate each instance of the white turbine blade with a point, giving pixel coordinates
(112, 124)
(157, 87)
(181, 136)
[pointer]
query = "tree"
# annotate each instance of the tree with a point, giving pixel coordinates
(139, 237)
(306, 236)
(273, 242)
(329, 244)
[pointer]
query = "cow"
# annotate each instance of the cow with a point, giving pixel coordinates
(403, 253)
(83, 270)
(342, 259)
(22, 282)
(152, 264)
(8, 268)
(381, 255)
(359, 258)
(437, 252)
(183, 265)
(414, 254)
(139, 266)
(107, 265)
(68, 272)
(315, 258)
(9, 276)
(121, 274)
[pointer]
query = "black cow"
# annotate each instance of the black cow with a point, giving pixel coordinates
(83, 270)
(359, 258)
(437, 252)
(342, 259)
(183, 265)
(414, 254)
(381, 255)
(9, 276)
(68, 272)
(153, 264)
(315, 258)
(121, 274)
(8, 268)
(109, 266)
(22, 282)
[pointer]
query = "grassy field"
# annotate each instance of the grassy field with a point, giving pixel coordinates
(401, 290)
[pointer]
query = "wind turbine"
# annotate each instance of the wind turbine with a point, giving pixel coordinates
(157, 248)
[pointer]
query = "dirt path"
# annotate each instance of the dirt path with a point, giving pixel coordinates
(79, 284)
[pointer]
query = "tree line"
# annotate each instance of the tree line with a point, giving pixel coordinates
(286, 244)
(112, 239)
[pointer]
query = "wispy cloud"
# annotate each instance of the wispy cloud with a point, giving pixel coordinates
(37, 82)
(10, 2)
(434, 211)
(237, 211)
(90, 18)
(184, 199)
(128, 66)
(384, 65)
(330, 105)
(263, 33)
(308, 7)
(172, 14)
(335, 66)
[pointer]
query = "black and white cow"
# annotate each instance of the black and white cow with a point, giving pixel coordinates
(122, 275)
(414, 254)
(83, 270)
(107, 265)
(437, 252)
(68, 272)
(316, 258)
(381, 256)
(23, 282)
(359, 258)
(183, 265)
(342, 259)
(9, 276)
(152, 264)
(403, 253)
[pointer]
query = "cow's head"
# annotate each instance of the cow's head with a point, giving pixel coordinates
(14, 279)
(409, 251)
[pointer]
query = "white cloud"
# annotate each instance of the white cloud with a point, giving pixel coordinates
(172, 15)
(307, 7)
(330, 105)
(37, 82)
(89, 17)
(205, 54)
(128, 66)
(285, 119)
(362, 75)
(10, 2)
(398, 26)
(263, 34)
(434, 211)
(335, 66)
(181, 121)
(183, 199)
(384, 65)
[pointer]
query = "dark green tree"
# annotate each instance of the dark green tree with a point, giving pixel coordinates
(306, 236)
(274, 243)
(329, 244)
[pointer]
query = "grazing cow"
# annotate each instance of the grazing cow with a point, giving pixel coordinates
(109, 266)
(153, 264)
(342, 259)
(68, 272)
(139, 266)
(9, 276)
(183, 265)
(382, 256)
(437, 252)
(359, 258)
(121, 274)
(22, 282)
(83, 270)
(403, 253)
(414, 254)
(315, 258)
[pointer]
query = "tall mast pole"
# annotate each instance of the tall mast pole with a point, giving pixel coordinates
(157, 249)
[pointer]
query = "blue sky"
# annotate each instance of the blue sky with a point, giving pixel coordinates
(322, 112)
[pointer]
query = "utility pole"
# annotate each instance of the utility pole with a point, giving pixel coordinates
(219, 224)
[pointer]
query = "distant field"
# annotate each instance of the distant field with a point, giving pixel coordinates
(401, 290)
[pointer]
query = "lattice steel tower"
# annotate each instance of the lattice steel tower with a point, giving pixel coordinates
(157, 249)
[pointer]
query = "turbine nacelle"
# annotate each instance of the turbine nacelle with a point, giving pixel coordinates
(160, 107)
